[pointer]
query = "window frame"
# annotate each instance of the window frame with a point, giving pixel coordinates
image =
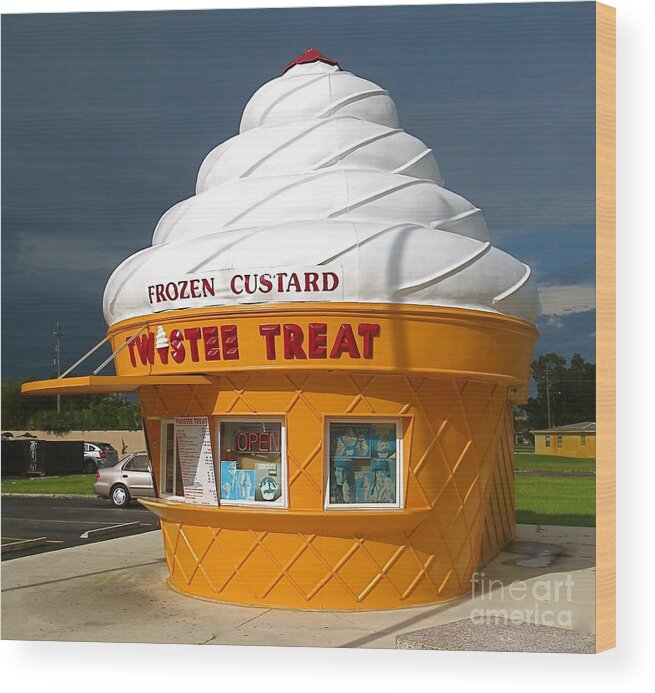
(547, 441)
(283, 501)
(560, 441)
(583, 439)
(399, 505)
(175, 496)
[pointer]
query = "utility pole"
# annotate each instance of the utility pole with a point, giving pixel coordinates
(58, 335)
(548, 397)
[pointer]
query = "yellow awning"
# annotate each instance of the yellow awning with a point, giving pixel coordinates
(104, 384)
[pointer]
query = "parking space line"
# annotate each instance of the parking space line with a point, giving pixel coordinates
(75, 522)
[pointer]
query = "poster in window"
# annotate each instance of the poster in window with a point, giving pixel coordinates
(358, 478)
(245, 485)
(194, 452)
(350, 441)
(342, 481)
(228, 480)
(383, 441)
(363, 483)
(383, 482)
(267, 482)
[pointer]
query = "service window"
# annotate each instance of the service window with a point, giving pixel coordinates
(252, 465)
(583, 439)
(171, 472)
(547, 440)
(364, 465)
(559, 441)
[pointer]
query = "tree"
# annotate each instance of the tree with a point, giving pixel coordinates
(78, 412)
(565, 395)
(18, 409)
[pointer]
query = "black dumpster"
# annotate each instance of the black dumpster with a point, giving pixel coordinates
(33, 457)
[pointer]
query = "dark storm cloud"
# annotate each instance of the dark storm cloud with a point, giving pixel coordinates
(568, 335)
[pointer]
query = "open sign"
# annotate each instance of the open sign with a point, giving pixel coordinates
(257, 441)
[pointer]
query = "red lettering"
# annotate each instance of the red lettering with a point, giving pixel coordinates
(311, 281)
(252, 441)
(345, 342)
(250, 288)
(193, 335)
(264, 442)
(145, 345)
(150, 292)
(269, 333)
(178, 352)
(242, 442)
(317, 347)
(293, 339)
(184, 285)
(233, 285)
(210, 340)
(295, 282)
(280, 278)
(230, 342)
(326, 283)
(195, 288)
(130, 347)
(265, 283)
(368, 331)
(208, 287)
(159, 293)
(171, 295)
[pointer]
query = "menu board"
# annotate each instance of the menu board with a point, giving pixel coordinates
(196, 461)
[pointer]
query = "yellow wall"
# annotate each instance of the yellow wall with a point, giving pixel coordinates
(449, 377)
(305, 557)
(500, 521)
(571, 446)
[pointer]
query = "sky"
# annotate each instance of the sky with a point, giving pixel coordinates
(107, 116)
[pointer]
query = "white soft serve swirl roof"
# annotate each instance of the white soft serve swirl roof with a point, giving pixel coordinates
(320, 174)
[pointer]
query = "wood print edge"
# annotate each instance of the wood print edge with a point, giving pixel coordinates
(606, 326)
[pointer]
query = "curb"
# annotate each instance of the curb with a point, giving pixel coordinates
(49, 495)
(110, 531)
(24, 544)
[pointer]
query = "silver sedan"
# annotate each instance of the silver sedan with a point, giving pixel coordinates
(128, 478)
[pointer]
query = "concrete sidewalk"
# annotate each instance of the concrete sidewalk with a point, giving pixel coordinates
(116, 591)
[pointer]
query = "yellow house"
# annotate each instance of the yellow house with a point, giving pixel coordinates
(572, 440)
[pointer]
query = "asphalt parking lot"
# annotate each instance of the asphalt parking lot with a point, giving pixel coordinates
(62, 521)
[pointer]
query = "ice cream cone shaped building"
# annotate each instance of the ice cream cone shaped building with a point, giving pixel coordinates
(327, 349)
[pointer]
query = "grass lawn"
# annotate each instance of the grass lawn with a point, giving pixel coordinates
(76, 484)
(529, 462)
(556, 500)
(546, 500)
